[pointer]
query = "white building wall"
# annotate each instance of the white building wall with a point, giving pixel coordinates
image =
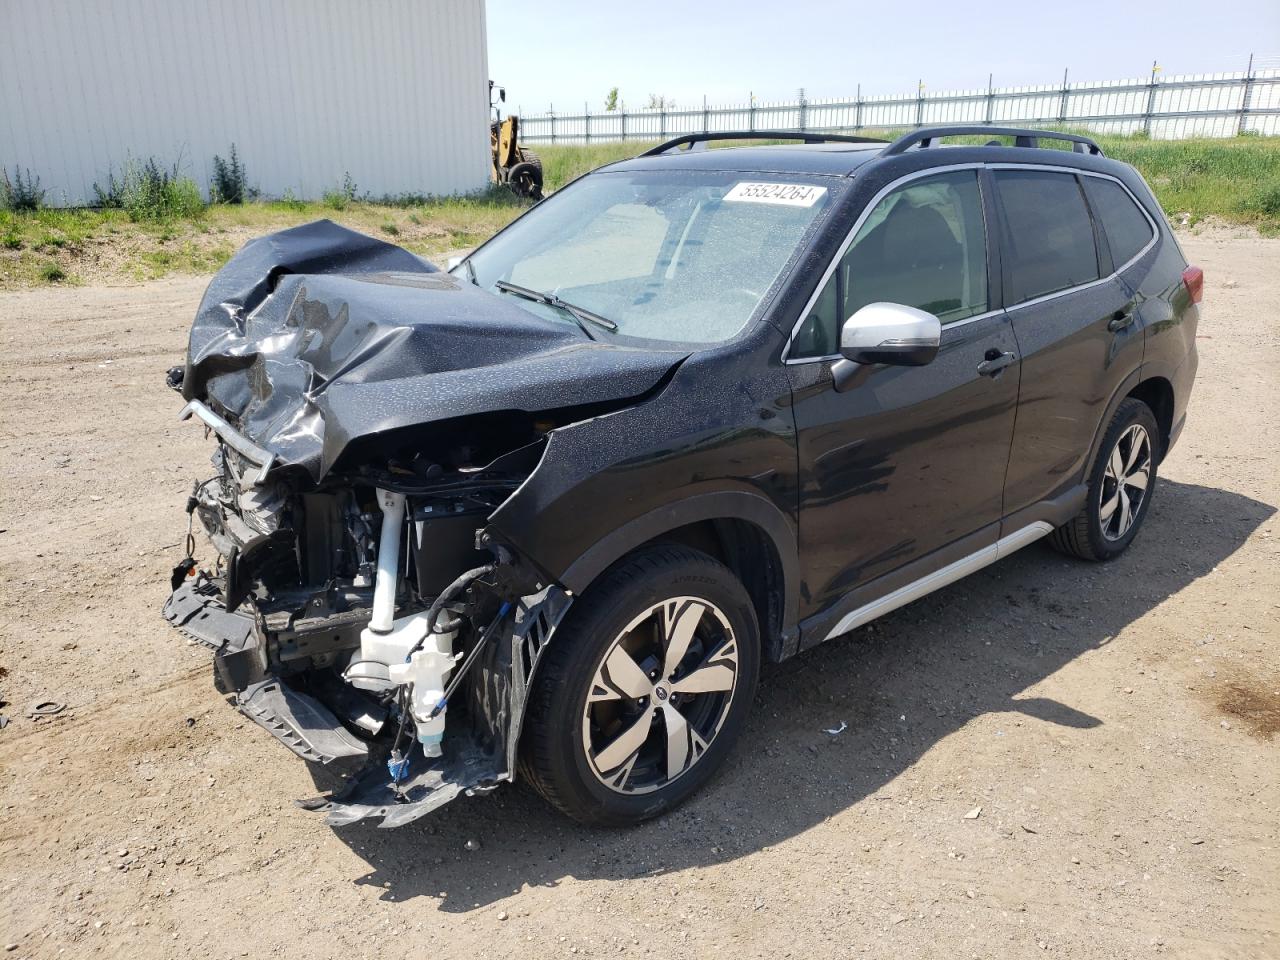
(393, 92)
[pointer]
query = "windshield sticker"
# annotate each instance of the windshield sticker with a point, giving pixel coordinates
(785, 194)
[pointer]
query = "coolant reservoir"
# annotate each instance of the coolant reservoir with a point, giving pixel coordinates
(384, 663)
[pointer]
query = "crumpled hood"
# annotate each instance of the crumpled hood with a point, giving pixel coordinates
(314, 337)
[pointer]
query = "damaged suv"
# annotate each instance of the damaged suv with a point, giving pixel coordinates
(702, 409)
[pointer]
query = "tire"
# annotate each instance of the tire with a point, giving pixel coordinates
(604, 687)
(525, 178)
(1114, 510)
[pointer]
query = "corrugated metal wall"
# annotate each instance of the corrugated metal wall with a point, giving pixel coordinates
(393, 92)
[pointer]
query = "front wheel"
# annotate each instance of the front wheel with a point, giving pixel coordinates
(1120, 487)
(645, 688)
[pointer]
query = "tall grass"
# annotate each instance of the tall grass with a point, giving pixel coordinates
(1236, 180)
(561, 164)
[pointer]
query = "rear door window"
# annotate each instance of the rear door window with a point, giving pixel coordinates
(923, 245)
(1049, 243)
(1127, 228)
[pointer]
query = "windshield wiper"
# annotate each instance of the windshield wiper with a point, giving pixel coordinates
(471, 271)
(580, 314)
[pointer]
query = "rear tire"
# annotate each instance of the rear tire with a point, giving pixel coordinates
(1121, 484)
(645, 688)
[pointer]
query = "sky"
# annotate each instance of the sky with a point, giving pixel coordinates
(567, 52)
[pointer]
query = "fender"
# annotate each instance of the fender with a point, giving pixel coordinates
(1126, 386)
(724, 505)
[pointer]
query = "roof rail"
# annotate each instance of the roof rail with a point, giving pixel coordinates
(1024, 138)
(698, 141)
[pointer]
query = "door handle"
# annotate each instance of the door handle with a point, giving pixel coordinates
(1121, 320)
(995, 362)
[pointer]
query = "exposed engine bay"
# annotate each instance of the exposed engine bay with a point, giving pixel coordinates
(354, 624)
(371, 415)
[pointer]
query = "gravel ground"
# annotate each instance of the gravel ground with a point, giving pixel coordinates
(1047, 759)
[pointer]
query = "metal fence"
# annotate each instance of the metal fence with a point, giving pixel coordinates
(1167, 108)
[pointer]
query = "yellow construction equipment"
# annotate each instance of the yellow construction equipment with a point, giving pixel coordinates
(518, 168)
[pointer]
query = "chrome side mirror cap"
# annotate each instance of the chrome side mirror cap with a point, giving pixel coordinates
(891, 333)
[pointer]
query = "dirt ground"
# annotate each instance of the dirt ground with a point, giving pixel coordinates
(1116, 728)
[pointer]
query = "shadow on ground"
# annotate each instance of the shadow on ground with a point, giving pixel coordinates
(901, 685)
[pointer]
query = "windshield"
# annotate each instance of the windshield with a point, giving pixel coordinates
(682, 257)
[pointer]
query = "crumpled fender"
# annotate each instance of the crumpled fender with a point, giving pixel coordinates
(714, 443)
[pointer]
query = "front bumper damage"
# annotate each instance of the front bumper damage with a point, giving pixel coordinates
(372, 416)
(327, 725)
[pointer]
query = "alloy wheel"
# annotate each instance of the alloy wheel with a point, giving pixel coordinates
(1125, 482)
(660, 695)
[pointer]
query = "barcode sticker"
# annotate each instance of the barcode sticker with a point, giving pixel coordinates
(784, 194)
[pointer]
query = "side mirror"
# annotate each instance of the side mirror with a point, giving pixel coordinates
(891, 333)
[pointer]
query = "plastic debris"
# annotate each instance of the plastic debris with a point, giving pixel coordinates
(836, 731)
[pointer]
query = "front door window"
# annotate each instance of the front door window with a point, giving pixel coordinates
(923, 245)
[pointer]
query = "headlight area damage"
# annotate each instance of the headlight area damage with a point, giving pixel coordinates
(371, 414)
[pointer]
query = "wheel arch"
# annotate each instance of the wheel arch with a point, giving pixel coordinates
(745, 531)
(1157, 393)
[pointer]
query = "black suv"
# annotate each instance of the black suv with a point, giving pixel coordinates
(551, 511)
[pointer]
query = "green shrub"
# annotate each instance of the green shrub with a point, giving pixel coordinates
(338, 199)
(1264, 199)
(52, 273)
(21, 193)
(290, 201)
(182, 199)
(110, 197)
(230, 184)
(150, 193)
(391, 229)
(12, 241)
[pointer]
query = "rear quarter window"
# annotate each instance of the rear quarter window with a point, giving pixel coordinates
(1127, 228)
(1049, 243)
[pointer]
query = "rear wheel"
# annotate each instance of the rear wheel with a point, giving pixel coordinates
(644, 689)
(1120, 487)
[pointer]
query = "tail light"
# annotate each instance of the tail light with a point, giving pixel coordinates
(1193, 280)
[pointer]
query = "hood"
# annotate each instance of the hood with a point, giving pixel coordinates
(318, 336)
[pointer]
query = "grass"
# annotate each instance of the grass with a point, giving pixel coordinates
(1232, 180)
(108, 246)
(1236, 180)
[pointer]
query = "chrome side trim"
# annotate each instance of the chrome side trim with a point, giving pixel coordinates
(1021, 538)
(940, 578)
(889, 188)
(237, 442)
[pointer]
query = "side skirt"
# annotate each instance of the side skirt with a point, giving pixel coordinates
(940, 578)
(948, 574)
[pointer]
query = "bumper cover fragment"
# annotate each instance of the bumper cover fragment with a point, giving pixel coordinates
(195, 608)
(301, 723)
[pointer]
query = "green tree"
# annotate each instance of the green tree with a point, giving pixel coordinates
(611, 100)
